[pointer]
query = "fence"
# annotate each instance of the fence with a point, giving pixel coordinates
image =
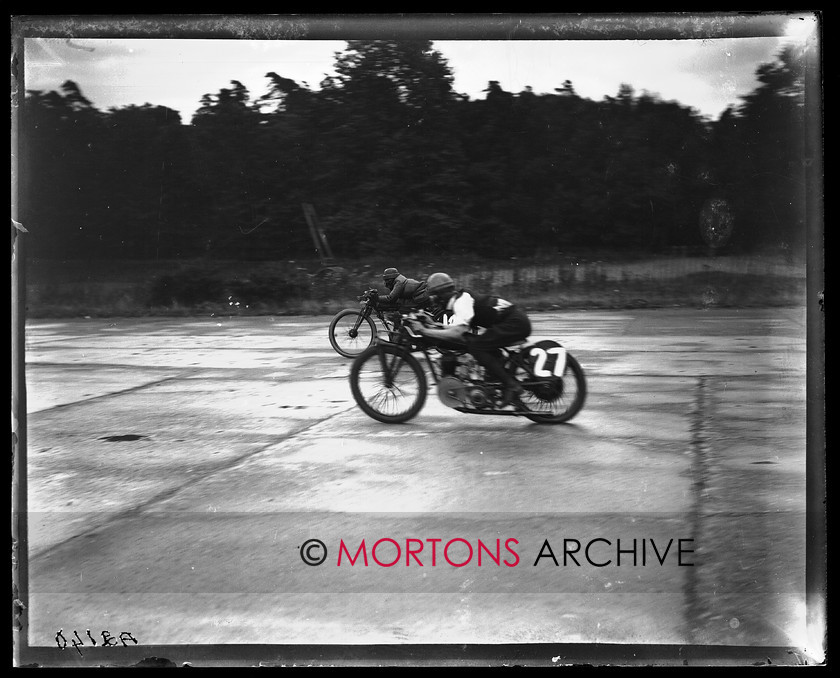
(664, 269)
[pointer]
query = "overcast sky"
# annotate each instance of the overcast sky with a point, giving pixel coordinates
(707, 75)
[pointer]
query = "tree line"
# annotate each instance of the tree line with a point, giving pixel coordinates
(396, 162)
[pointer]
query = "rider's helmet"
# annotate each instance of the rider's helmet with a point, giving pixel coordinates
(440, 286)
(389, 276)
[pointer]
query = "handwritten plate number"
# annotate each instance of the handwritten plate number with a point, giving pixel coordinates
(548, 362)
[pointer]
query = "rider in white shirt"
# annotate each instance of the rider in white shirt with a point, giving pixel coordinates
(503, 323)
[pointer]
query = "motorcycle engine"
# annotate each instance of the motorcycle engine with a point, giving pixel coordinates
(452, 392)
(479, 398)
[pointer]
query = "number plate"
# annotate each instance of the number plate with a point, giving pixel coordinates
(548, 359)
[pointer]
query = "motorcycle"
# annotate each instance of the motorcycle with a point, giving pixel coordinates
(352, 331)
(390, 385)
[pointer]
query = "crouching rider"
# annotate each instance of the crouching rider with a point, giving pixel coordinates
(502, 323)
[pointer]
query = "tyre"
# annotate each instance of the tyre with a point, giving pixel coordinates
(388, 384)
(556, 401)
(351, 332)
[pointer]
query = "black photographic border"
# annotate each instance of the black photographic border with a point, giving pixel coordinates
(439, 26)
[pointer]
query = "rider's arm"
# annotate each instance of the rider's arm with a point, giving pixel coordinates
(463, 312)
(396, 292)
(448, 333)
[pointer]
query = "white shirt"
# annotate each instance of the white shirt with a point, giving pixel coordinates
(463, 309)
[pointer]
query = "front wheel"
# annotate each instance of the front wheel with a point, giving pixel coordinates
(557, 400)
(351, 332)
(388, 384)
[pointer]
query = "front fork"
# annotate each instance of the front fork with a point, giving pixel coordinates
(354, 331)
(389, 367)
(391, 363)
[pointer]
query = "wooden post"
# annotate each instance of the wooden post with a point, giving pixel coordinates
(319, 238)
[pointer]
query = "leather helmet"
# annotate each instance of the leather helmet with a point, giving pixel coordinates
(440, 285)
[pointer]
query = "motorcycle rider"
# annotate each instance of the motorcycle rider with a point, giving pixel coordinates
(402, 291)
(504, 324)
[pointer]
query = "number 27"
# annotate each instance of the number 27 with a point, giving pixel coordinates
(541, 357)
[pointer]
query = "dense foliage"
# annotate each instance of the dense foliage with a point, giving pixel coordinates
(394, 160)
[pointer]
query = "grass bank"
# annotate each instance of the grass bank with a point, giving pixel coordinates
(598, 280)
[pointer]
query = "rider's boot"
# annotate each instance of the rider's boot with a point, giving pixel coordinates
(512, 392)
(494, 366)
(513, 389)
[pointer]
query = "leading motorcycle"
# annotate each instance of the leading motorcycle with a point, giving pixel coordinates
(390, 384)
(352, 330)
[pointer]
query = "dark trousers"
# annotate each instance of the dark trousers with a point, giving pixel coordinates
(514, 327)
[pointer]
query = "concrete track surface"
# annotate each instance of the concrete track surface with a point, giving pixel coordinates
(180, 469)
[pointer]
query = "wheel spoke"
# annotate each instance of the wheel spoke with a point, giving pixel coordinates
(387, 386)
(347, 338)
(551, 399)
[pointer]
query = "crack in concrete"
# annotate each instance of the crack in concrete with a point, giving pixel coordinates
(695, 609)
(173, 491)
(110, 394)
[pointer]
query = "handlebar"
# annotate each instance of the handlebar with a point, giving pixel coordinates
(372, 294)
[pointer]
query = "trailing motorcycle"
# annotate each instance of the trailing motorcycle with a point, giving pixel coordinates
(390, 385)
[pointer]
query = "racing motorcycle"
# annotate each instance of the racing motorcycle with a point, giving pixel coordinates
(353, 330)
(390, 385)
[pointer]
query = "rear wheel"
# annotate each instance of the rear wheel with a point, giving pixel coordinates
(556, 400)
(351, 332)
(388, 384)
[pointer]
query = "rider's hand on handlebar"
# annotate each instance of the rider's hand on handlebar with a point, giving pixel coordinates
(422, 322)
(422, 318)
(413, 324)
